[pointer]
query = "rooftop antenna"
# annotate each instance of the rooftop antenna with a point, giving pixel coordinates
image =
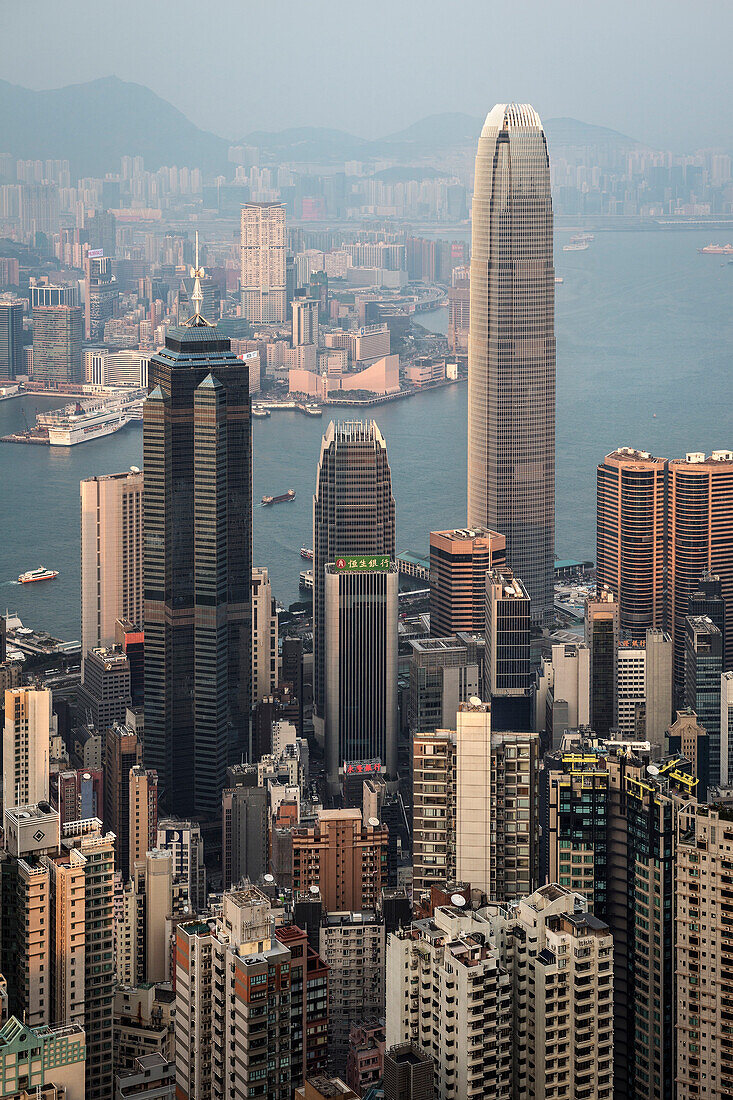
(197, 297)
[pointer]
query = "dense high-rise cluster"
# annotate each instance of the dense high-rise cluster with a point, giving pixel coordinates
(445, 828)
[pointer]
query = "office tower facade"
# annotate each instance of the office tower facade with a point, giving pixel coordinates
(305, 321)
(233, 988)
(444, 672)
(57, 340)
(563, 691)
(726, 728)
(644, 689)
(184, 841)
(244, 826)
(630, 537)
(704, 1063)
(469, 1038)
(700, 505)
(353, 503)
(264, 636)
(122, 752)
(658, 689)
(687, 738)
(104, 695)
(344, 857)
(408, 1073)
(560, 960)
(143, 800)
(263, 280)
(360, 641)
(507, 673)
(26, 746)
(353, 513)
(352, 946)
(101, 294)
(11, 339)
(610, 831)
(459, 562)
(703, 672)
(197, 566)
(475, 807)
(602, 636)
(291, 672)
(111, 556)
(51, 294)
(511, 349)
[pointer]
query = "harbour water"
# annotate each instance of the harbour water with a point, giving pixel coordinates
(644, 358)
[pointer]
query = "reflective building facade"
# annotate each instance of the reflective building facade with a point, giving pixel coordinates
(197, 566)
(353, 513)
(511, 359)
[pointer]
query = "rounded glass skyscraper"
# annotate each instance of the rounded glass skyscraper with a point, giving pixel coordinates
(511, 356)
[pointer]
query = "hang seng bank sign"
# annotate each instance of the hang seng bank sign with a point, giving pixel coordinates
(366, 564)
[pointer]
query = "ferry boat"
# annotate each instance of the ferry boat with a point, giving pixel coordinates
(575, 246)
(40, 574)
(559, 279)
(717, 250)
(306, 553)
(260, 412)
(290, 495)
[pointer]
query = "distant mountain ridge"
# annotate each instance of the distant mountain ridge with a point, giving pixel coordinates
(93, 125)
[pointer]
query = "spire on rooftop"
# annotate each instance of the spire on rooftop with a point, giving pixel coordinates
(197, 297)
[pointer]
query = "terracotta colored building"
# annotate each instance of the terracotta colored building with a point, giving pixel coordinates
(459, 561)
(346, 859)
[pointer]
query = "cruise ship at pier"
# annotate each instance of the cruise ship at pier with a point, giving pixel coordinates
(91, 418)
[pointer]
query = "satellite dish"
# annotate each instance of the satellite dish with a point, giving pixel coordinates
(314, 890)
(374, 822)
(652, 769)
(475, 701)
(134, 469)
(269, 878)
(458, 900)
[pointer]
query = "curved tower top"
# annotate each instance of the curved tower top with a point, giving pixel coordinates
(511, 355)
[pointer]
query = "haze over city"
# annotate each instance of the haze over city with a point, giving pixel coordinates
(656, 71)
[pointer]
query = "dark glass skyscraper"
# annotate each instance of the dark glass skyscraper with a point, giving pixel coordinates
(511, 357)
(11, 339)
(353, 513)
(197, 565)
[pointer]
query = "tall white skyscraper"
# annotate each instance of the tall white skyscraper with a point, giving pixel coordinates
(111, 556)
(26, 738)
(511, 356)
(263, 262)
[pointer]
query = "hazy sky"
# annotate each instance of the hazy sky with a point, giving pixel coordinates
(658, 71)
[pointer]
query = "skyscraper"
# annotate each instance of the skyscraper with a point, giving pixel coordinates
(263, 262)
(360, 641)
(101, 294)
(459, 561)
(57, 338)
(26, 747)
(703, 673)
(197, 564)
(700, 538)
(11, 339)
(630, 536)
(305, 321)
(602, 636)
(511, 357)
(353, 513)
(111, 555)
